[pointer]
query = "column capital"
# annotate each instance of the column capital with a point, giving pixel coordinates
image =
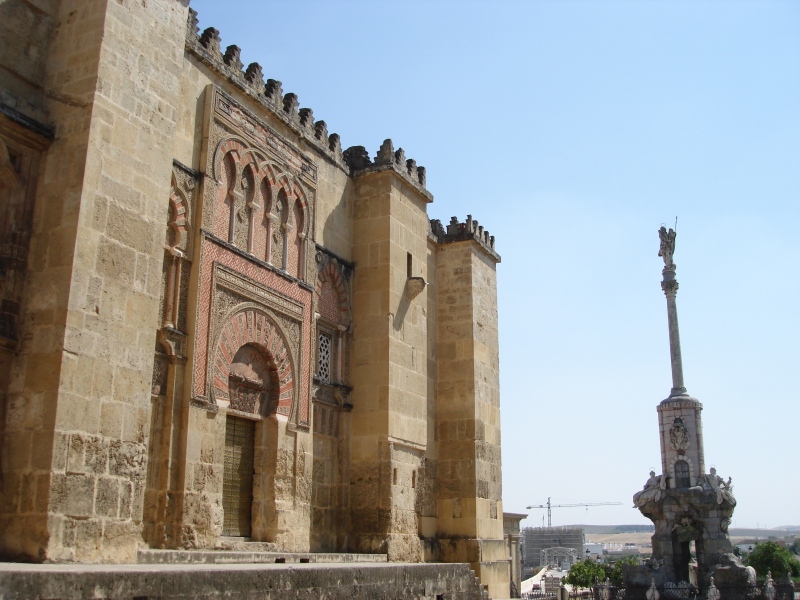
(670, 288)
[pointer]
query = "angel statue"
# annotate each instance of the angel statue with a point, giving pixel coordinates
(667, 248)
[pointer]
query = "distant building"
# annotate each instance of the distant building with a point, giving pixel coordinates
(592, 550)
(538, 540)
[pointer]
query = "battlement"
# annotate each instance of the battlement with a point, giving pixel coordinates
(459, 232)
(207, 46)
(358, 160)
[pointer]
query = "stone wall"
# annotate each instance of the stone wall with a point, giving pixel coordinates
(246, 582)
(189, 212)
(83, 381)
(390, 416)
(469, 482)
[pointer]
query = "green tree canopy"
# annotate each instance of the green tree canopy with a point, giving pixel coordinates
(769, 556)
(614, 572)
(584, 574)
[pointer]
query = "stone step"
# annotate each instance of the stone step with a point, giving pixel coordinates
(255, 556)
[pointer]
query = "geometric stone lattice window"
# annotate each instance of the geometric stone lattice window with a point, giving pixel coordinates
(682, 474)
(324, 357)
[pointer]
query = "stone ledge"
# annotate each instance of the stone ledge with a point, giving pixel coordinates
(243, 556)
(424, 581)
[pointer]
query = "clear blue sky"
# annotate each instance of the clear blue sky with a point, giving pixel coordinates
(572, 130)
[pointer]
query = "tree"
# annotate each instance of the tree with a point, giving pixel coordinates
(614, 572)
(769, 556)
(584, 574)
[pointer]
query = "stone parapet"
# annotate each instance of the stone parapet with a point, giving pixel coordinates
(358, 160)
(246, 582)
(457, 231)
(207, 47)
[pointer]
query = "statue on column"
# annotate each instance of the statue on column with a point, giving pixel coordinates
(667, 248)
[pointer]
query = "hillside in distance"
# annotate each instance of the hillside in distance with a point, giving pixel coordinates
(777, 532)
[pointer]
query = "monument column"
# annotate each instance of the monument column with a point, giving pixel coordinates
(691, 510)
(679, 415)
(670, 287)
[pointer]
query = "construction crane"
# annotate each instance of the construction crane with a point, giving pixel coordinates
(548, 506)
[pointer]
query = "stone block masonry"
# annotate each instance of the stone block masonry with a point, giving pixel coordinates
(79, 396)
(221, 330)
(244, 582)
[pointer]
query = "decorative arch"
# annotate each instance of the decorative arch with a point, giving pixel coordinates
(179, 218)
(251, 325)
(692, 469)
(276, 180)
(253, 381)
(240, 152)
(244, 175)
(331, 294)
(176, 250)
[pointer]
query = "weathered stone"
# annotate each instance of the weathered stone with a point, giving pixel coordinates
(685, 504)
(163, 367)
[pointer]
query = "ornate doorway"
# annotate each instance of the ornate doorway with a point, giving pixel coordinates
(237, 485)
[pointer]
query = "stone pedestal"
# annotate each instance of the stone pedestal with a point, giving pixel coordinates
(682, 516)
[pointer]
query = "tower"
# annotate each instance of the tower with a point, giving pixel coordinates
(691, 510)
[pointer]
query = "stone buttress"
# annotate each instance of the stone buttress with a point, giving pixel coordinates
(469, 497)
(76, 425)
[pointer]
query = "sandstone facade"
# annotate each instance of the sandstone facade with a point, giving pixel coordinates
(216, 324)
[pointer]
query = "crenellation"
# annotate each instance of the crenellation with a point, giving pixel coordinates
(273, 91)
(232, 58)
(291, 107)
(307, 120)
(208, 46)
(320, 130)
(356, 158)
(468, 230)
(386, 154)
(389, 159)
(192, 25)
(335, 145)
(210, 40)
(411, 165)
(255, 77)
(436, 229)
(270, 95)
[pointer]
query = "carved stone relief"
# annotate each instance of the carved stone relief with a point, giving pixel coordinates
(679, 435)
(253, 382)
(268, 188)
(244, 312)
